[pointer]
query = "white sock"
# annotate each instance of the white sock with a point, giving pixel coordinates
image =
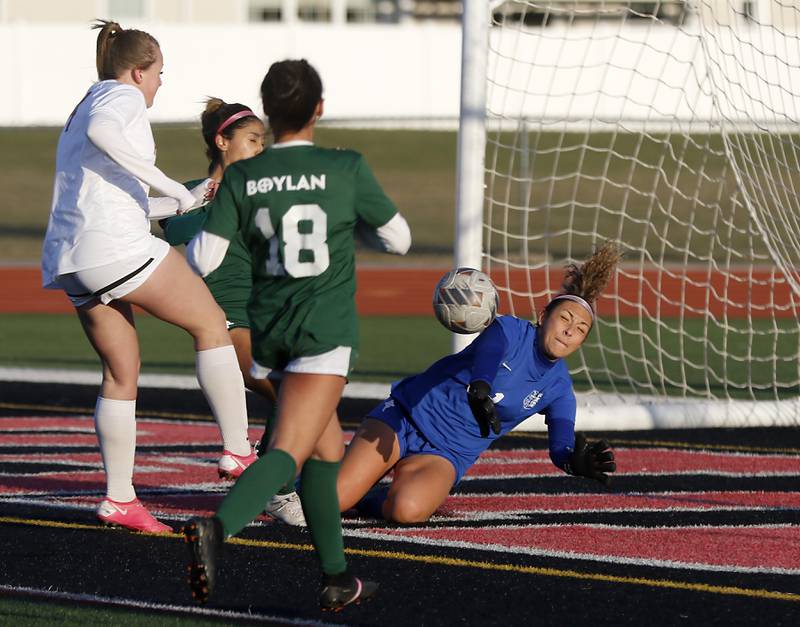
(115, 424)
(222, 383)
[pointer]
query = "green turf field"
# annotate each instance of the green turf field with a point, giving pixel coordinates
(677, 192)
(391, 347)
(687, 200)
(673, 197)
(394, 347)
(416, 168)
(693, 357)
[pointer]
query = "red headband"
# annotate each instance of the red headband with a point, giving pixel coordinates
(246, 113)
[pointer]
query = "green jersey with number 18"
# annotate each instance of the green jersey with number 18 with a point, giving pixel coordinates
(296, 206)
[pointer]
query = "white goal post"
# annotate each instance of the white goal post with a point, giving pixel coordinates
(673, 128)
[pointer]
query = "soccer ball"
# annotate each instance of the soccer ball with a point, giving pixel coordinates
(465, 301)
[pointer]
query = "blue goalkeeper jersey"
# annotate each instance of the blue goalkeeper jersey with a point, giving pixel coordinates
(524, 383)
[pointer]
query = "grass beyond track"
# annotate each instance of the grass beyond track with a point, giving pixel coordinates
(391, 347)
(394, 347)
(85, 610)
(415, 168)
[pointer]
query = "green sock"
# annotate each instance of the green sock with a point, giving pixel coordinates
(253, 488)
(321, 509)
(261, 449)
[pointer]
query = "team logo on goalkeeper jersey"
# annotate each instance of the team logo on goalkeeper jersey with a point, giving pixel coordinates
(530, 401)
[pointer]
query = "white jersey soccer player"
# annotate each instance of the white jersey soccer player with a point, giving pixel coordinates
(105, 166)
(100, 251)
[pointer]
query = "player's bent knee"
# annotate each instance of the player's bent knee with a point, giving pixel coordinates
(406, 510)
(210, 328)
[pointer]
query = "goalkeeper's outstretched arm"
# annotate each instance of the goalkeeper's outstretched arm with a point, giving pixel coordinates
(575, 455)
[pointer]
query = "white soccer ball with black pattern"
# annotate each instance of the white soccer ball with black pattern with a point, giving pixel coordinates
(465, 301)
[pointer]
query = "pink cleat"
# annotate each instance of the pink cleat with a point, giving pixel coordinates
(132, 515)
(231, 466)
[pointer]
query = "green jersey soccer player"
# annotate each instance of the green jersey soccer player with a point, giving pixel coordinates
(297, 207)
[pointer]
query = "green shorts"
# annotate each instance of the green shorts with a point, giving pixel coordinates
(230, 285)
(297, 333)
(235, 315)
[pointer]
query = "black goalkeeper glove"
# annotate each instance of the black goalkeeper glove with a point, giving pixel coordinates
(592, 460)
(482, 407)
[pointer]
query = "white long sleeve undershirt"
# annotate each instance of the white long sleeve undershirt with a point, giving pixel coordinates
(206, 251)
(105, 130)
(394, 237)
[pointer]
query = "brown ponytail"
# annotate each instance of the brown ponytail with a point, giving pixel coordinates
(216, 112)
(590, 278)
(119, 50)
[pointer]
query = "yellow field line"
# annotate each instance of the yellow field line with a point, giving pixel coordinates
(462, 563)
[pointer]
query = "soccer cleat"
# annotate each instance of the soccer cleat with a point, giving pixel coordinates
(287, 509)
(344, 589)
(204, 537)
(230, 466)
(132, 515)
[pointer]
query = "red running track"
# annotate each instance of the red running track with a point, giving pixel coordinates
(407, 292)
(181, 480)
(761, 548)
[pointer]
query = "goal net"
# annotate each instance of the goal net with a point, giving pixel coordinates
(673, 128)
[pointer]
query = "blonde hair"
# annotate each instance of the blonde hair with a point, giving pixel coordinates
(119, 49)
(588, 280)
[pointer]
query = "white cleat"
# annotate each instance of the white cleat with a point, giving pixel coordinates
(287, 509)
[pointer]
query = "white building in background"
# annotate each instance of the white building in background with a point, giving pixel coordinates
(380, 60)
(777, 12)
(376, 60)
(227, 11)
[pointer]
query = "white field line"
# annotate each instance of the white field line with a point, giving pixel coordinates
(376, 391)
(610, 559)
(155, 607)
(595, 411)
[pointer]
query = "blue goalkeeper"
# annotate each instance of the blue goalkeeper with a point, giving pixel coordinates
(435, 424)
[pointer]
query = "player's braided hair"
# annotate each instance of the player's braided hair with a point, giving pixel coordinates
(119, 49)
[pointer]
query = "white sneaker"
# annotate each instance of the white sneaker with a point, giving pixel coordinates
(287, 509)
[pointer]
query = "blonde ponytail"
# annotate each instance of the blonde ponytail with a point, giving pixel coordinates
(119, 49)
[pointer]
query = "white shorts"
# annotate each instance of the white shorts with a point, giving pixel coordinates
(113, 280)
(336, 362)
